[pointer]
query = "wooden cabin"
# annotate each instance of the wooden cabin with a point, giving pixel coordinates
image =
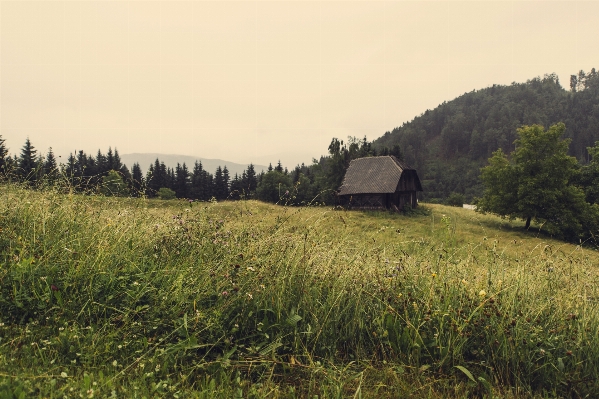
(379, 183)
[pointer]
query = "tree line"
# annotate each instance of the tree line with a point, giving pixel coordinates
(105, 173)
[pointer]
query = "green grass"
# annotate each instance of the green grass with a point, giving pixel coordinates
(146, 298)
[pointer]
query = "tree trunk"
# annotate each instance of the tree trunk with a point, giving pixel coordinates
(527, 223)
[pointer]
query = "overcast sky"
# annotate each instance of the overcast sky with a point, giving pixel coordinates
(261, 81)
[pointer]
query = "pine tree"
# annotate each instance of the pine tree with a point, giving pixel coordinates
(279, 167)
(137, 180)
(252, 181)
(109, 160)
(181, 181)
(226, 179)
(196, 189)
(151, 182)
(28, 162)
(101, 164)
(3, 157)
(50, 165)
(218, 184)
(236, 188)
(116, 161)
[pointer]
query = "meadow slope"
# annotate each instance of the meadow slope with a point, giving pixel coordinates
(130, 297)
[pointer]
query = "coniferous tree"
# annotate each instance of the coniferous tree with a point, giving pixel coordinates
(171, 179)
(116, 161)
(196, 188)
(151, 185)
(137, 180)
(235, 189)
(28, 162)
(102, 166)
(181, 184)
(3, 157)
(109, 160)
(251, 180)
(50, 166)
(218, 184)
(226, 179)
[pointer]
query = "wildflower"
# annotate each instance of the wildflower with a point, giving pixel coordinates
(225, 293)
(482, 293)
(464, 282)
(433, 275)
(63, 375)
(250, 296)
(115, 363)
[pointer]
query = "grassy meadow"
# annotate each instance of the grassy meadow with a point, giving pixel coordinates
(133, 298)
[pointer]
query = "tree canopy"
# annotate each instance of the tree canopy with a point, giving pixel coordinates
(537, 183)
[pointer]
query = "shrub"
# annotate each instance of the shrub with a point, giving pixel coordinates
(455, 199)
(166, 193)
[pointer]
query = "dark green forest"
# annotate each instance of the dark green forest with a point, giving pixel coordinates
(449, 144)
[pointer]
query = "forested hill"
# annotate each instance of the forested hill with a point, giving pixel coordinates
(449, 144)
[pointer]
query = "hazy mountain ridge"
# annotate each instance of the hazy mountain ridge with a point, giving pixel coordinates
(171, 160)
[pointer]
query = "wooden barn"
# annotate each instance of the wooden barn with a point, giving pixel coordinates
(379, 183)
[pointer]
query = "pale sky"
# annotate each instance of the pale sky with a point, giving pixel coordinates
(260, 81)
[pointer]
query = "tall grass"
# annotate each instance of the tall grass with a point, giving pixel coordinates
(132, 298)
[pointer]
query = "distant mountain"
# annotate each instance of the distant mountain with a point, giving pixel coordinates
(171, 160)
(449, 144)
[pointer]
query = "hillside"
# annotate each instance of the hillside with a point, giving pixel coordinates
(129, 297)
(450, 143)
(171, 160)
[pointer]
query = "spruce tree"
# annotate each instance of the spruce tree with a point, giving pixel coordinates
(28, 162)
(3, 156)
(218, 184)
(181, 181)
(235, 188)
(109, 160)
(136, 180)
(116, 161)
(101, 164)
(50, 165)
(151, 185)
(196, 189)
(279, 167)
(252, 181)
(226, 179)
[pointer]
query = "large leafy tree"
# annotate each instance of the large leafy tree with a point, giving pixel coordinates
(275, 187)
(536, 183)
(113, 185)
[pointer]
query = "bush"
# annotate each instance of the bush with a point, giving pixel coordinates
(166, 193)
(455, 199)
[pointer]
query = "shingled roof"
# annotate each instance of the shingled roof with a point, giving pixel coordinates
(373, 175)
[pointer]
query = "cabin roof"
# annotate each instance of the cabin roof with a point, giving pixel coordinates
(374, 175)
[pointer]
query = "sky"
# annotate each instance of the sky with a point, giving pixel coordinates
(257, 81)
